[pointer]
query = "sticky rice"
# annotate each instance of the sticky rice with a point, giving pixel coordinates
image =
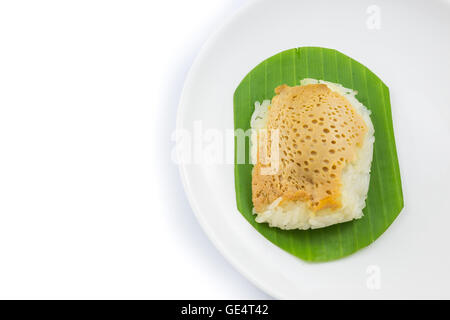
(300, 198)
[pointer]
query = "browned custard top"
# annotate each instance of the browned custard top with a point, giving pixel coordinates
(319, 132)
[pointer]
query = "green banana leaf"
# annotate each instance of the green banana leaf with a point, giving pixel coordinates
(385, 199)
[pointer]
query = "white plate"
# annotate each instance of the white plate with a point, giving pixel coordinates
(407, 44)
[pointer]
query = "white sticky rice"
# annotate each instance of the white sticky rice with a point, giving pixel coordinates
(355, 176)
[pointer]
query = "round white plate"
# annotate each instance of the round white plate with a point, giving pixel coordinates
(407, 44)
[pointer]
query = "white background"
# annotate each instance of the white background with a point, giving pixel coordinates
(90, 204)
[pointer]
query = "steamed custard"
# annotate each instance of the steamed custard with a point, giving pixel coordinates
(319, 133)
